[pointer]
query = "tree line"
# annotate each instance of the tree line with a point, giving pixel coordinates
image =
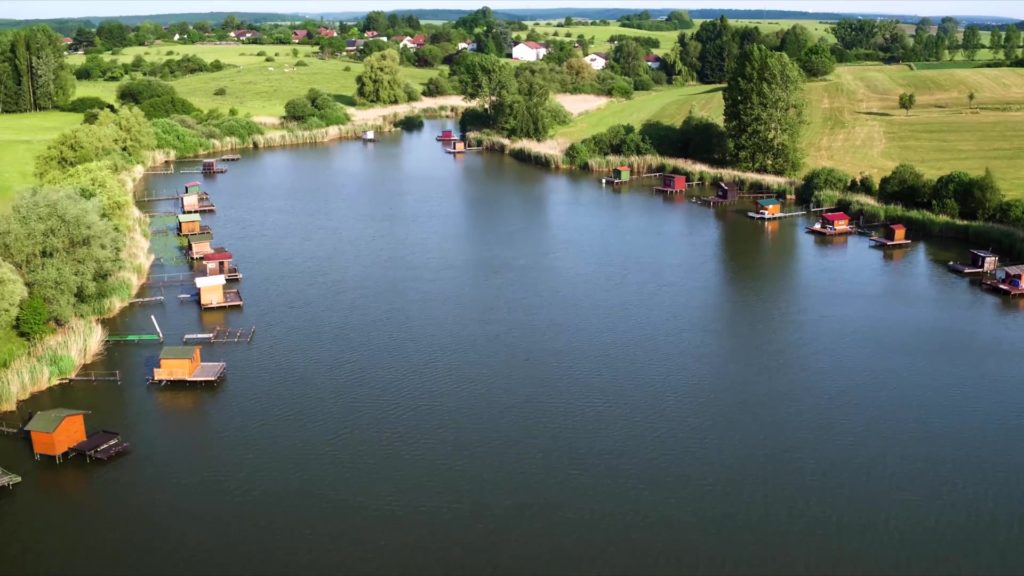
(33, 74)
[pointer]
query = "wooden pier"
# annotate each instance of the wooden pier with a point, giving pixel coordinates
(831, 231)
(139, 338)
(8, 479)
(222, 336)
(102, 445)
(6, 428)
(147, 300)
(463, 150)
(170, 279)
(763, 216)
(168, 171)
(1002, 288)
(231, 298)
(93, 376)
(880, 242)
(217, 170)
(231, 158)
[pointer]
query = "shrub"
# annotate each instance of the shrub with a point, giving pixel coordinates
(347, 69)
(167, 106)
(172, 136)
(819, 180)
(268, 59)
(261, 53)
(410, 122)
(301, 64)
(235, 127)
(33, 320)
(139, 91)
(411, 93)
(905, 185)
(621, 88)
(577, 154)
(86, 103)
(437, 86)
(703, 139)
(222, 91)
(298, 109)
(12, 293)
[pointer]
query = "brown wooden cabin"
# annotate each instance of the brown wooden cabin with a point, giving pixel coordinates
(984, 260)
(192, 188)
(896, 233)
(1012, 276)
(177, 362)
(54, 432)
(189, 224)
(218, 262)
(621, 173)
(212, 293)
(209, 166)
(768, 206)
(199, 245)
(727, 191)
(836, 220)
(673, 182)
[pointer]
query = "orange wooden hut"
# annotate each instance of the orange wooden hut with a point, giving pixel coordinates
(457, 147)
(768, 206)
(54, 432)
(896, 233)
(189, 224)
(199, 245)
(177, 362)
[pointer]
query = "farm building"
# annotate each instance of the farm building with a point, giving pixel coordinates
(768, 206)
(597, 60)
(54, 432)
(529, 51)
(213, 295)
(199, 245)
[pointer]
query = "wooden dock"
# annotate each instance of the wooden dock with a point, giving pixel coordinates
(206, 373)
(608, 180)
(147, 300)
(217, 170)
(880, 242)
(6, 428)
(763, 216)
(222, 336)
(1002, 288)
(170, 279)
(168, 171)
(93, 376)
(8, 479)
(231, 298)
(203, 229)
(965, 269)
(102, 445)
(832, 231)
(231, 158)
(475, 149)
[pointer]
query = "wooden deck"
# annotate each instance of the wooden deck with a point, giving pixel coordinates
(8, 479)
(879, 242)
(831, 231)
(203, 229)
(170, 279)
(102, 445)
(231, 158)
(763, 216)
(961, 268)
(231, 298)
(222, 335)
(1002, 288)
(94, 376)
(448, 139)
(204, 206)
(613, 181)
(217, 170)
(663, 190)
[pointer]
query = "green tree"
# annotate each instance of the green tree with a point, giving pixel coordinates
(379, 83)
(795, 40)
(995, 42)
(138, 91)
(1011, 42)
(33, 74)
(972, 41)
(907, 101)
(971, 96)
(764, 111)
(905, 185)
(83, 39)
(12, 293)
(921, 31)
(822, 179)
(627, 59)
(482, 77)
(817, 61)
(981, 199)
(428, 56)
(33, 321)
(717, 50)
(113, 34)
(702, 139)
(69, 266)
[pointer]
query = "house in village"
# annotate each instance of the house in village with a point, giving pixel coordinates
(653, 61)
(325, 32)
(353, 45)
(467, 44)
(370, 34)
(597, 60)
(244, 34)
(529, 51)
(299, 36)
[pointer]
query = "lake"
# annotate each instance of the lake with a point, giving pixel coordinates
(475, 365)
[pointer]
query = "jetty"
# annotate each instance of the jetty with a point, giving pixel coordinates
(139, 338)
(208, 167)
(8, 479)
(895, 237)
(1009, 280)
(92, 376)
(775, 216)
(102, 445)
(222, 336)
(231, 158)
(980, 262)
(185, 364)
(171, 279)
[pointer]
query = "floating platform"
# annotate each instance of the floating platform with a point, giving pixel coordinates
(832, 231)
(8, 479)
(452, 138)
(206, 373)
(608, 180)
(204, 205)
(231, 158)
(231, 298)
(148, 300)
(880, 242)
(671, 191)
(1003, 288)
(217, 170)
(135, 338)
(965, 269)
(102, 445)
(222, 335)
(764, 216)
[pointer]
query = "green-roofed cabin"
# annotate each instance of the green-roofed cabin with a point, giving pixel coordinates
(177, 362)
(54, 432)
(189, 224)
(769, 206)
(192, 188)
(199, 245)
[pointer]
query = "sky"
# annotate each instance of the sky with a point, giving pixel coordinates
(67, 8)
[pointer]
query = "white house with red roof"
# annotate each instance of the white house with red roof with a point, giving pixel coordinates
(597, 60)
(324, 32)
(653, 60)
(529, 51)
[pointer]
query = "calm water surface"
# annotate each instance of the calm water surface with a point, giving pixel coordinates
(473, 365)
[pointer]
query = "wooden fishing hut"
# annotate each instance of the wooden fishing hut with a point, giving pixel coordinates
(218, 262)
(768, 206)
(672, 184)
(895, 235)
(1009, 280)
(185, 364)
(212, 293)
(725, 193)
(832, 224)
(620, 175)
(210, 167)
(192, 223)
(199, 246)
(192, 188)
(61, 431)
(446, 136)
(195, 200)
(981, 262)
(457, 147)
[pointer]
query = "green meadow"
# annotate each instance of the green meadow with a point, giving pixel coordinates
(22, 137)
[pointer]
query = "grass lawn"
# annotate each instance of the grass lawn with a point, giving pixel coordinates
(11, 346)
(855, 124)
(22, 136)
(257, 87)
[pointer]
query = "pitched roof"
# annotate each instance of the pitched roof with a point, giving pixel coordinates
(48, 420)
(419, 39)
(624, 168)
(768, 202)
(982, 253)
(204, 237)
(533, 45)
(189, 218)
(833, 216)
(1014, 270)
(177, 352)
(601, 55)
(300, 33)
(897, 227)
(206, 281)
(218, 254)
(652, 58)
(398, 38)
(191, 184)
